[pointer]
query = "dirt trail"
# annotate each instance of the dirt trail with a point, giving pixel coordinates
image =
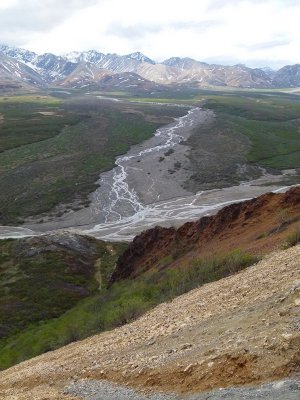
(242, 329)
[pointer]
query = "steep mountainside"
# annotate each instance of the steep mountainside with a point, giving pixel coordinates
(127, 80)
(259, 224)
(89, 76)
(175, 71)
(84, 74)
(19, 54)
(184, 63)
(288, 76)
(48, 67)
(15, 75)
(240, 330)
(218, 75)
(53, 68)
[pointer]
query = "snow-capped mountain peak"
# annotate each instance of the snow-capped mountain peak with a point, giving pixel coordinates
(90, 67)
(140, 57)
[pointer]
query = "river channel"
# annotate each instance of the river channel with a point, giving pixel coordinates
(141, 192)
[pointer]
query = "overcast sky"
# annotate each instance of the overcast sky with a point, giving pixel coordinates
(253, 32)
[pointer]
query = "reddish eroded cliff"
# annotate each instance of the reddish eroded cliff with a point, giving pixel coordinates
(259, 225)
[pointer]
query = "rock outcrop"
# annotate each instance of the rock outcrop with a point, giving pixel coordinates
(258, 224)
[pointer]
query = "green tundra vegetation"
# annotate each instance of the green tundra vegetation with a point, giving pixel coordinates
(52, 150)
(269, 121)
(42, 279)
(257, 128)
(43, 322)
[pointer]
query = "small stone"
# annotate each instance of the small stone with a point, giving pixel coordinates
(151, 342)
(281, 299)
(282, 313)
(287, 336)
(295, 287)
(186, 346)
(188, 368)
(297, 302)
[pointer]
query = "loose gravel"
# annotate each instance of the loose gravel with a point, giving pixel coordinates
(102, 390)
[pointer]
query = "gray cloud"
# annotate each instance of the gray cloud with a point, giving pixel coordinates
(60, 26)
(30, 17)
(256, 63)
(132, 32)
(216, 4)
(260, 63)
(221, 59)
(268, 45)
(290, 3)
(199, 26)
(140, 31)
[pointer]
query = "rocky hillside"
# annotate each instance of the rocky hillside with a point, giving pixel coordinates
(288, 76)
(241, 329)
(15, 75)
(88, 75)
(83, 69)
(258, 225)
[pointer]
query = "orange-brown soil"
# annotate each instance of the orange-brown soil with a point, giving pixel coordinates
(241, 329)
(259, 226)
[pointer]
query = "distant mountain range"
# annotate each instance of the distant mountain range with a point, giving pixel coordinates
(20, 68)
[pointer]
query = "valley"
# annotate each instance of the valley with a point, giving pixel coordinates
(62, 161)
(112, 144)
(119, 194)
(221, 147)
